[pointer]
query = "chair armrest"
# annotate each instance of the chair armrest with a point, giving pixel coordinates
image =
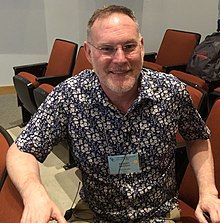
(151, 57)
(52, 80)
(37, 69)
(181, 67)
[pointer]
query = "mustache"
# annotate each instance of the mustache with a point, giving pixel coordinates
(119, 70)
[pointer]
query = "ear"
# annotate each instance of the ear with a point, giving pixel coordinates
(142, 46)
(87, 51)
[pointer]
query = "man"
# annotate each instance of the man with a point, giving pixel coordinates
(121, 122)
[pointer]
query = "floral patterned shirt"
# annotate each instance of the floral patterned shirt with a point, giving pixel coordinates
(79, 110)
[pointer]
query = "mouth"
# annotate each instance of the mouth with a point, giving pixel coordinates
(119, 72)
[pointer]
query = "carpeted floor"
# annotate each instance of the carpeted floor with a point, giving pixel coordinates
(10, 113)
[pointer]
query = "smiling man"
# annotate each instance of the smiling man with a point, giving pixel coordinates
(121, 122)
(117, 56)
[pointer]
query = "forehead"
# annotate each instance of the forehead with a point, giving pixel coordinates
(114, 27)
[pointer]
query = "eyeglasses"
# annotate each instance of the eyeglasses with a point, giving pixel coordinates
(108, 50)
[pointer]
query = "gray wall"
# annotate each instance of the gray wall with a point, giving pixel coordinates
(29, 27)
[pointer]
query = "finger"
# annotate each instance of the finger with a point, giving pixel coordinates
(56, 215)
(61, 219)
(25, 216)
(214, 217)
(207, 216)
(29, 216)
(200, 216)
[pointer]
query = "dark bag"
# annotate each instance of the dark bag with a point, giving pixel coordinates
(205, 61)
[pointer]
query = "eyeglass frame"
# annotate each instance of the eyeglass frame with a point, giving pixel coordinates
(113, 49)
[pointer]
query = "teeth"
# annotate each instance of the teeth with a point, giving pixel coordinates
(119, 72)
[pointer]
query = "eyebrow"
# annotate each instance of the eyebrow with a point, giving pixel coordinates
(123, 43)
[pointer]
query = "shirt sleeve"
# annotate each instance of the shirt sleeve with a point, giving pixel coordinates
(47, 127)
(191, 126)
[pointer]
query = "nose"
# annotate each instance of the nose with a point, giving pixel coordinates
(119, 55)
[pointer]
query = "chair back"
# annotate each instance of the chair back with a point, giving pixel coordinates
(177, 47)
(11, 205)
(189, 189)
(82, 62)
(43, 90)
(62, 58)
(196, 95)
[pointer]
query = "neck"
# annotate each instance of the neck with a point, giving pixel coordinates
(123, 101)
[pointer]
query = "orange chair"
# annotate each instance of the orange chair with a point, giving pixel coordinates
(174, 53)
(188, 192)
(11, 205)
(190, 79)
(195, 80)
(81, 62)
(5, 142)
(10, 202)
(41, 92)
(61, 63)
(197, 96)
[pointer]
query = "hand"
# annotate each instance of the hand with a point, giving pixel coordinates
(208, 204)
(39, 208)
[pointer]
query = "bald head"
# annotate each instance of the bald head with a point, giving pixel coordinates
(108, 11)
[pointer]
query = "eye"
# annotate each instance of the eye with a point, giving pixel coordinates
(129, 47)
(107, 49)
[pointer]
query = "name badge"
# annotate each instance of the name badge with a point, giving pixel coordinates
(124, 164)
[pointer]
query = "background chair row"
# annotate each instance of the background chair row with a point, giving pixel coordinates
(41, 92)
(174, 52)
(173, 57)
(63, 63)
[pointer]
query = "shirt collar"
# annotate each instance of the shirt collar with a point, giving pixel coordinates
(148, 87)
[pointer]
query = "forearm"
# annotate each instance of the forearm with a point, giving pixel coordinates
(201, 159)
(24, 171)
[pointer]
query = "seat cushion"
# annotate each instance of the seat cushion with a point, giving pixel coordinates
(153, 66)
(190, 78)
